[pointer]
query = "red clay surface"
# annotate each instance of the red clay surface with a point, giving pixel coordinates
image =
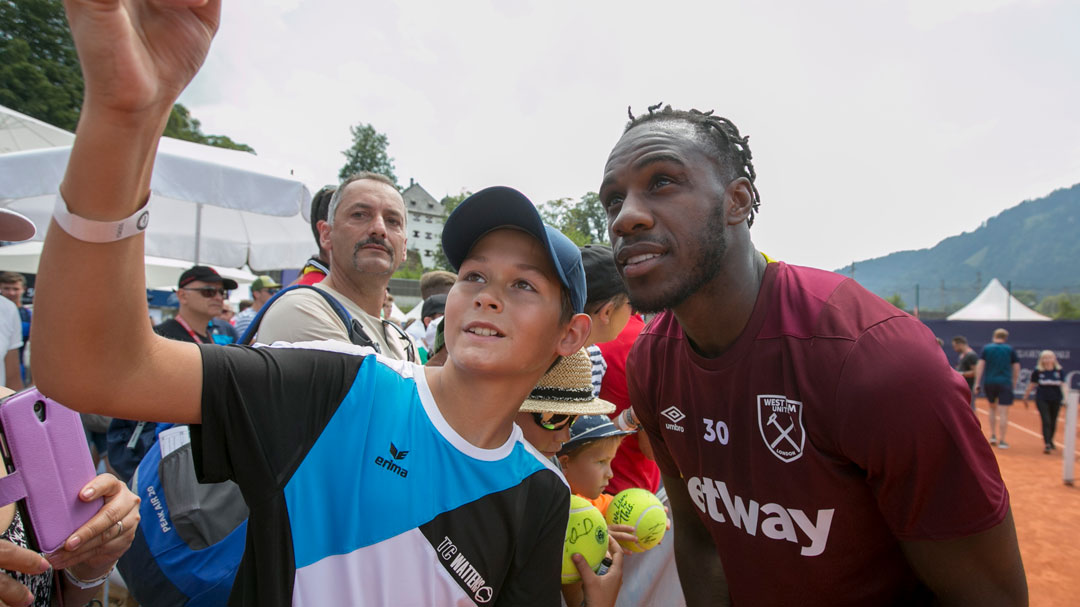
(1046, 511)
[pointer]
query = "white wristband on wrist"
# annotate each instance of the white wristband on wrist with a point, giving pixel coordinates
(625, 421)
(88, 584)
(88, 230)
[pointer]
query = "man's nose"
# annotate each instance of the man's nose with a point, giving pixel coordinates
(633, 216)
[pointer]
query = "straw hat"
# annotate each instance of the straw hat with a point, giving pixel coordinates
(567, 389)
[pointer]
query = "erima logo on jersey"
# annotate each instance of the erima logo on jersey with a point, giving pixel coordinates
(388, 464)
(779, 523)
(676, 416)
(781, 426)
(468, 575)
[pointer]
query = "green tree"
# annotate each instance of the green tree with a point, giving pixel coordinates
(40, 74)
(39, 70)
(897, 301)
(582, 221)
(368, 153)
(1027, 297)
(182, 125)
(1063, 306)
(449, 203)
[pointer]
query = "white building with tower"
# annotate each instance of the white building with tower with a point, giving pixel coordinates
(425, 222)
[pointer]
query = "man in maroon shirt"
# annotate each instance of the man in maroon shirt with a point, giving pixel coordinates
(816, 446)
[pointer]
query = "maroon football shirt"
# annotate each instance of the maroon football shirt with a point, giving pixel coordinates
(832, 428)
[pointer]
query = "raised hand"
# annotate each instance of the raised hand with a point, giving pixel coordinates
(138, 55)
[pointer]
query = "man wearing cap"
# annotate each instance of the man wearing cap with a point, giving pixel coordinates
(433, 310)
(432, 283)
(262, 289)
(365, 237)
(201, 292)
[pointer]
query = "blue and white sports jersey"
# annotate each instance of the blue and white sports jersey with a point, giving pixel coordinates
(361, 493)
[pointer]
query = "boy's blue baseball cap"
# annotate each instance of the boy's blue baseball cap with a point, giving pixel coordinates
(500, 207)
(588, 428)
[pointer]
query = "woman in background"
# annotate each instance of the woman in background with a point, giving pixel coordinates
(1049, 384)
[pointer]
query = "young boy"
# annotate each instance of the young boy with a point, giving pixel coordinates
(585, 459)
(369, 481)
(606, 303)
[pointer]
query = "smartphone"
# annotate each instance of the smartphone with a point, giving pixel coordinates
(48, 463)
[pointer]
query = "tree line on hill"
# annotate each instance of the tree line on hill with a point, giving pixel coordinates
(1032, 246)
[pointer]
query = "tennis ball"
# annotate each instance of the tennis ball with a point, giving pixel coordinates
(641, 510)
(586, 534)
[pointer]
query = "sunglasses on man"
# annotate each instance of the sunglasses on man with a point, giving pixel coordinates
(553, 421)
(207, 292)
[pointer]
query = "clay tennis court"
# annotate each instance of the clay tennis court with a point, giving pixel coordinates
(1047, 512)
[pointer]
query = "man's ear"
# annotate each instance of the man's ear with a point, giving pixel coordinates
(739, 200)
(574, 335)
(324, 234)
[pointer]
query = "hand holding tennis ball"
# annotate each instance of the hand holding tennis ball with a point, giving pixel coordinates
(641, 510)
(586, 534)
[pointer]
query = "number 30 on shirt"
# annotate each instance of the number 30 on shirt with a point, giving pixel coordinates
(715, 431)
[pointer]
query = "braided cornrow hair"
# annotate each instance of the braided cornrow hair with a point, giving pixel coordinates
(732, 149)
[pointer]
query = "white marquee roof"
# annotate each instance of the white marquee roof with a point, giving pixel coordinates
(996, 303)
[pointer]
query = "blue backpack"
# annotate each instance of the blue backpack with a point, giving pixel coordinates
(357, 335)
(127, 442)
(191, 538)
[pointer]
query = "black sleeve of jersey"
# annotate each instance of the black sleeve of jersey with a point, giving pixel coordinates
(536, 579)
(262, 409)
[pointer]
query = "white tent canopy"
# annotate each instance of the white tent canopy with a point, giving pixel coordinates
(996, 303)
(161, 273)
(20, 132)
(210, 205)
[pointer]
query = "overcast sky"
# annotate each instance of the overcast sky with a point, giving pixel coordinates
(875, 126)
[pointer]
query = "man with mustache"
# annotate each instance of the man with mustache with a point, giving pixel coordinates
(814, 442)
(365, 237)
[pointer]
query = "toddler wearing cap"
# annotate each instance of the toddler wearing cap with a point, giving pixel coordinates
(585, 459)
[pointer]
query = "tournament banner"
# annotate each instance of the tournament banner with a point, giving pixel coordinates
(1028, 339)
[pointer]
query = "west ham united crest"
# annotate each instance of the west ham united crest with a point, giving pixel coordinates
(780, 422)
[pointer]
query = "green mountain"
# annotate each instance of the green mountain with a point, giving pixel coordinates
(1034, 246)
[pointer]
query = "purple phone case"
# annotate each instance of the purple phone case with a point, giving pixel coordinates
(52, 464)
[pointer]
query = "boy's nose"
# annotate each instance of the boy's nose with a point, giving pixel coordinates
(486, 299)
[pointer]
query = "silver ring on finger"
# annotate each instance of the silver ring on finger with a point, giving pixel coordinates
(120, 524)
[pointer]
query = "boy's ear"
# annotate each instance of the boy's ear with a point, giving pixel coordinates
(574, 335)
(324, 234)
(605, 312)
(563, 459)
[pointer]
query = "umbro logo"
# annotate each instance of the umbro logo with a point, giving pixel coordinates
(675, 416)
(387, 463)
